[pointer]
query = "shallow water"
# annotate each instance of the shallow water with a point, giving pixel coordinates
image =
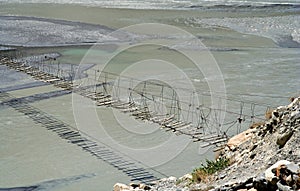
(258, 61)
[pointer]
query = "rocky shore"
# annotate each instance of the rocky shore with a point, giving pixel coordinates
(264, 157)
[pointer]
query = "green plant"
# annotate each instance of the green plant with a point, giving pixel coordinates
(205, 171)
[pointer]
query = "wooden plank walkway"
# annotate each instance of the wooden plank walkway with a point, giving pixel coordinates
(169, 123)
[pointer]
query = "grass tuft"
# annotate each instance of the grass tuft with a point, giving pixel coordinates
(205, 171)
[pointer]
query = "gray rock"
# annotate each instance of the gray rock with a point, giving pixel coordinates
(283, 138)
(293, 167)
(222, 175)
(283, 187)
(121, 187)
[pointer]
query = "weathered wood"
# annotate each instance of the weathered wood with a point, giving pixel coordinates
(130, 109)
(102, 99)
(122, 105)
(105, 103)
(213, 142)
(187, 125)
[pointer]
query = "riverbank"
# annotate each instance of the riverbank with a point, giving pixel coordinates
(264, 157)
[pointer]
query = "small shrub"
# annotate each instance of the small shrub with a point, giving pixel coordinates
(268, 114)
(205, 171)
(201, 176)
(257, 124)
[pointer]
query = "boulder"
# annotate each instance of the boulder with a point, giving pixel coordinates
(284, 174)
(270, 173)
(283, 187)
(294, 168)
(121, 187)
(282, 139)
(240, 138)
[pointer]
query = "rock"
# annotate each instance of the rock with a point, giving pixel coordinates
(185, 181)
(121, 187)
(252, 189)
(270, 174)
(260, 184)
(200, 186)
(294, 102)
(283, 138)
(249, 185)
(186, 177)
(144, 187)
(240, 138)
(252, 156)
(134, 185)
(283, 187)
(222, 175)
(284, 174)
(275, 114)
(172, 179)
(225, 188)
(260, 177)
(289, 179)
(297, 180)
(295, 114)
(294, 168)
(253, 147)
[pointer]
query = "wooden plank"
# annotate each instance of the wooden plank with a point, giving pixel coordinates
(129, 110)
(184, 126)
(106, 103)
(173, 123)
(122, 105)
(52, 80)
